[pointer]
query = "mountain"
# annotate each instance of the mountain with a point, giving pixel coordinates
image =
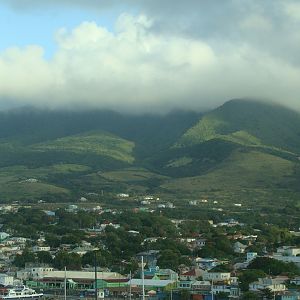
(248, 123)
(243, 151)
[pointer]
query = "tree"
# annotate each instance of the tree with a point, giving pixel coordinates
(185, 295)
(52, 240)
(169, 259)
(44, 257)
(250, 296)
(267, 294)
(26, 257)
(249, 276)
(272, 266)
(71, 261)
(103, 258)
(222, 295)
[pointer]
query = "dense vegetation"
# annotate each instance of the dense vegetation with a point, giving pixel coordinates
(242, 152)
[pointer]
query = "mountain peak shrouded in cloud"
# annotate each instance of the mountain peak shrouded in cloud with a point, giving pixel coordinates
(159, 56)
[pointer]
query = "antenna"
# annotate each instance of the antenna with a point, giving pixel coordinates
(96, 286)
(65, 283)
(143, 278)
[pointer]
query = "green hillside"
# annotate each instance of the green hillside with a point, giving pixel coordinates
(242, 169)
(243, 151)
(99, 143)
(252, 178)
(248, 123)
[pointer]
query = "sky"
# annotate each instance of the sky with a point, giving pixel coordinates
(148, 55)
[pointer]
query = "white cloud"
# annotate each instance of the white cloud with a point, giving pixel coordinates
(137, 69)
(292, 9)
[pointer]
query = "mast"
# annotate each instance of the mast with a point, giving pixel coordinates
(130, 285)
(96, 287)
(143, 278)
(65, 284)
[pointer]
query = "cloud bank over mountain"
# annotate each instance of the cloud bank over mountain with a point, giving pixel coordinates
(169, 55)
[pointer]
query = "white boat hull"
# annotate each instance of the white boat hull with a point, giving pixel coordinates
(32, 297)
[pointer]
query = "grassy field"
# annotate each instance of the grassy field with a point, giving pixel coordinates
(249, 170)
(99, 143)
(15, 183)
(132, 175)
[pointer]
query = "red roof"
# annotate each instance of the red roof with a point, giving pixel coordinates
(190, 273)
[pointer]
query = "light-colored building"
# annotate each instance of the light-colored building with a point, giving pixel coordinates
(6, 279)
(267, 283)
(288, 251)
(3, 236)
(239, 247)
(37, 248)
(33, 272)
(295, 280)
(251, 256)
(216, 276)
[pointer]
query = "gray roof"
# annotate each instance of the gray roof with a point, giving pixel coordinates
(151, 282)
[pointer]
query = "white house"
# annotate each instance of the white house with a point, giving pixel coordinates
(123, 195)
(239, 247)
(251, 256)
(216, 276)
(6, 280)
(37, 248)
(33, 272)
(288, 251)
(207, 263)
(3, 236)
(267, 283)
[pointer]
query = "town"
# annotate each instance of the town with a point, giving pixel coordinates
(142, 251)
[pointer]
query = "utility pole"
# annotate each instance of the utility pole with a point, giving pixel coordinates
(96, 277)
(130, 285)
(143, 278)
(65, 283)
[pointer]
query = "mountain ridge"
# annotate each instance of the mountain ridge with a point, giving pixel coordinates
(185, 153)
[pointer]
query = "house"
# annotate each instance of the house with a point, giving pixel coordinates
(207, 263)
(3, 236)
(193, 202)
(200, 243)
(288, 251)
(160, 274)
(149, 257)
(201, 286)
(161, 205)
(122, 195)
(6, 280)
(191, 275)
(288, 295)
(152, 284)
(217, 276)
(251, 256)
(33, 272)
(49, 213)
(83, 250)
(37, 248)
(295, 281)
(72, 208)
(170, 205)
(150, 240)
(239, 247)
(288, 254)
(267, 283)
